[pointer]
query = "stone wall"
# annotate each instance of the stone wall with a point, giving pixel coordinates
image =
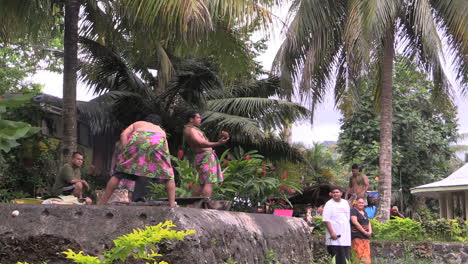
(39, 231)
(438, 252)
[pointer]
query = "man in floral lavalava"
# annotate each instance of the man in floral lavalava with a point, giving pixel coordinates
(205, 160)
(144, 156)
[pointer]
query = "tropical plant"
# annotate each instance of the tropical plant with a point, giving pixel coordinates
(50, 13)
(352, 37)
(141, 244)
(242, 109)
(11, 131)
(447, 230)
(249, 184)
(422, 134)
(398, 229)
(70, 67)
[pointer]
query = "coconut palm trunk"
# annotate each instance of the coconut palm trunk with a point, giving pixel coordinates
(386, 117)
(69, 118)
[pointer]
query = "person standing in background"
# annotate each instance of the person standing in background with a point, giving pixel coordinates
(336, 216)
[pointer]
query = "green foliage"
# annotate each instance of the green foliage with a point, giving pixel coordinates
(249, 181)
(140, 244)
(447, 230)
(186, 175)
(270, 257)
(230, 261)
(32, 166)
(422, 133)
(405, 229)
(21, 60)
(319, 225)
(10, 131)
(398, 229)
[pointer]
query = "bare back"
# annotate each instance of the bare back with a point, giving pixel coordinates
(140, 126)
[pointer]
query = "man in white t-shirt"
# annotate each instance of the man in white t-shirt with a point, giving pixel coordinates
(336, 216)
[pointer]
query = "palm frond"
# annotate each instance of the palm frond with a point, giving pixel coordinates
(31, 19)
(306, 57)
(421, 31)
(187, 18)
(379, 17)
(227, 48)
(195, 82)
(269, 112)
(452, 19)
(98, 113)
(242, 129)
(165, 68)
(275, 149)
(104, 70)
(257, 88)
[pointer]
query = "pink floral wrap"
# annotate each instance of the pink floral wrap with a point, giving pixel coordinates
(208, 168)
(144, 155)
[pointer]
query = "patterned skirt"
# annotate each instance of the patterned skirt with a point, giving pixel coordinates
(208, 168)
(144, 155)
(362, 248)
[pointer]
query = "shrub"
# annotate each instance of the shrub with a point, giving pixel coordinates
(447, 230)
(398, 229)
(250, 182)
(319, 225)
(140, 244)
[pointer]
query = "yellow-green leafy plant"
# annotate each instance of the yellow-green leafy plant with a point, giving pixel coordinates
(140, 244)
(398, 229)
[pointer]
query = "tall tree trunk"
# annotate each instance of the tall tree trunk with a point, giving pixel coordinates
(286, 133)
(72, 8)
(386, 118)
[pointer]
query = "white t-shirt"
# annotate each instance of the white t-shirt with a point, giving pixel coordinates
(337, 213)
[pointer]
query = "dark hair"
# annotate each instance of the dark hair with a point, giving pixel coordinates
(190, 114)
(355, 167)
(76, 153)
(332, 188)
(153, 118)
(371, 200)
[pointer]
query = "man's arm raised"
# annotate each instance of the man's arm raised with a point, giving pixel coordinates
(197, 139)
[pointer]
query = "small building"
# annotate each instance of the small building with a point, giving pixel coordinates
(452, 193)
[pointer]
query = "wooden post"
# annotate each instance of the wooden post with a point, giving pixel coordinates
(442, 206)
(449, 205)
(466, 205)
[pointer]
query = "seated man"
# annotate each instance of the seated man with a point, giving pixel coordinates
(68, 180)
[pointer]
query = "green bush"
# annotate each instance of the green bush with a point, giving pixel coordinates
(447, 230)
(398, 229)
(140, 244)
(250, 182)
(405, 229)
(319, 225)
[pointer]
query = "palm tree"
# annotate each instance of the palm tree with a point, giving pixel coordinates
(34, 19)
(152, 22)
(350, 37)
(244, 108)
(70, 67)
